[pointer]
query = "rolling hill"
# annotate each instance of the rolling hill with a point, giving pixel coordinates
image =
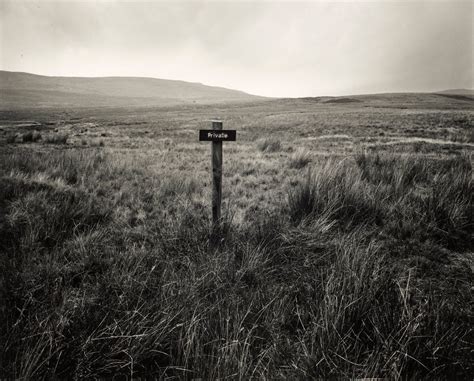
(25, 90)
(30, 91)
(457, 92)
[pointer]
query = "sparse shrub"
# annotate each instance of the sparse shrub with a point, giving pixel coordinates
(57, 138)
(300, 159)
(269, 145)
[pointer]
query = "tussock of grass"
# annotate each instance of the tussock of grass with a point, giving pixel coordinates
(404, 196)
(269, 145)
(300, 159)
(30, 136)
(174, 186)
(338, 191)
(311, 292)
(11, 138)
(56, 138)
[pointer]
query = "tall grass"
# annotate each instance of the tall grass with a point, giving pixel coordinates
(56, 138)
(300, 159)
(31, 136)
(269, 145)
(101, 278)
(404, 196)
(338, 191)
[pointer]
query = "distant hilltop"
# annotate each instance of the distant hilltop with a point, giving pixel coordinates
(25, 90)
(457, 92)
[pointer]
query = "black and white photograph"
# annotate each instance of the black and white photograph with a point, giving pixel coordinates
(236, 190)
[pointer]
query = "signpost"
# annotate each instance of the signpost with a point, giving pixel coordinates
(216, 135)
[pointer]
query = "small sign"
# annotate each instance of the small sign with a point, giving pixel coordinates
(217, 135)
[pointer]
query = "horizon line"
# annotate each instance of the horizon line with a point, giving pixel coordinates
(228, 88)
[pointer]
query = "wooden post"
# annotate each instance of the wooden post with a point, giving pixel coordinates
(216, 135)
(216, 178)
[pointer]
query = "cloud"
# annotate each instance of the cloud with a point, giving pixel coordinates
(269, 48)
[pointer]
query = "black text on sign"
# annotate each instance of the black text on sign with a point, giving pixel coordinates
(217, 135)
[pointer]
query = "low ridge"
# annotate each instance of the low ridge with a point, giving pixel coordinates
(20, 90)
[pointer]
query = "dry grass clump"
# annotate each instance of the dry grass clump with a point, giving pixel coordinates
(300, 159)
(56, 138)
(338, 191)
(26, 137)
(406, 196)
(174, 186)
(30, 136)
(470, 135)
(312, 291)
(269, 145)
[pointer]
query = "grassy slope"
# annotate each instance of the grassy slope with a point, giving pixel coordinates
(344, 252)
(24, 90)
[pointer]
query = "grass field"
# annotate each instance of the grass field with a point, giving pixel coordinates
(346, 247)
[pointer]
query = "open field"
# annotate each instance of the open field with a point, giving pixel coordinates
(347, 242)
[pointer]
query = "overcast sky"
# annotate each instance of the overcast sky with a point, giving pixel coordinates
(262, 47)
